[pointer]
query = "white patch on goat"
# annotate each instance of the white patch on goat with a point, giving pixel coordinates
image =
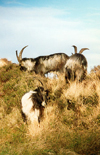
(27, 107)
(53, 62)
(27, 103)
(71, 64)
(33, 115)
(28, 64)
(43, 103)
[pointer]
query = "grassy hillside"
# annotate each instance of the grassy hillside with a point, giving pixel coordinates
(61, 131)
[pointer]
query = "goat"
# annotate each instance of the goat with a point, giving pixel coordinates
(33, 104)
(43, 64)
(76, 66)
(4, 62)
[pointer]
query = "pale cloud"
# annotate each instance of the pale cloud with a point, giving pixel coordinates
(13, 2)
(45, 33)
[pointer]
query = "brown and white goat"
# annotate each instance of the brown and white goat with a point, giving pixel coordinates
(33, 104)
(43, 64)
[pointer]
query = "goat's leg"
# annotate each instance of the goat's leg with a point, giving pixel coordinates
(24, 116)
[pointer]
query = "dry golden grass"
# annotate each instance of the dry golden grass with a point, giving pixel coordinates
(61, 131)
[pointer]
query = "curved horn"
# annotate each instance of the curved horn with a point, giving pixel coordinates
(38, 80)
(75, 48)
(20, 54)
(19, 58)
(83, 50)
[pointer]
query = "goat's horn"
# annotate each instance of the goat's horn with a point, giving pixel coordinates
(19, 58)
(38, 80)
(75, 48)
(83, 49)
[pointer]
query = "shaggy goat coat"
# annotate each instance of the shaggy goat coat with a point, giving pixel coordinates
(32, 106)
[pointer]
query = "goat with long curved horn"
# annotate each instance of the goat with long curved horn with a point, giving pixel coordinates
(33, 104)
(83, 49)
(76, 66)
(43, 64)
(19, 58)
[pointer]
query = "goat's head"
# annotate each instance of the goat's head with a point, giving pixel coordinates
(42, 92)
(68, 74)
(20, 60)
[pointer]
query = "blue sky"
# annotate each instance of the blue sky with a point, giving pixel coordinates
(50, 26)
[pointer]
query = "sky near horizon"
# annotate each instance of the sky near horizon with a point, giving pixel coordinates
(50, 26)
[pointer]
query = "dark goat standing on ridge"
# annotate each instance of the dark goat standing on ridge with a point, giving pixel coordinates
(43, 64)
(76, 66)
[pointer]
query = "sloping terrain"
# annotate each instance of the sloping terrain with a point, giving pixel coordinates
(62, 131)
